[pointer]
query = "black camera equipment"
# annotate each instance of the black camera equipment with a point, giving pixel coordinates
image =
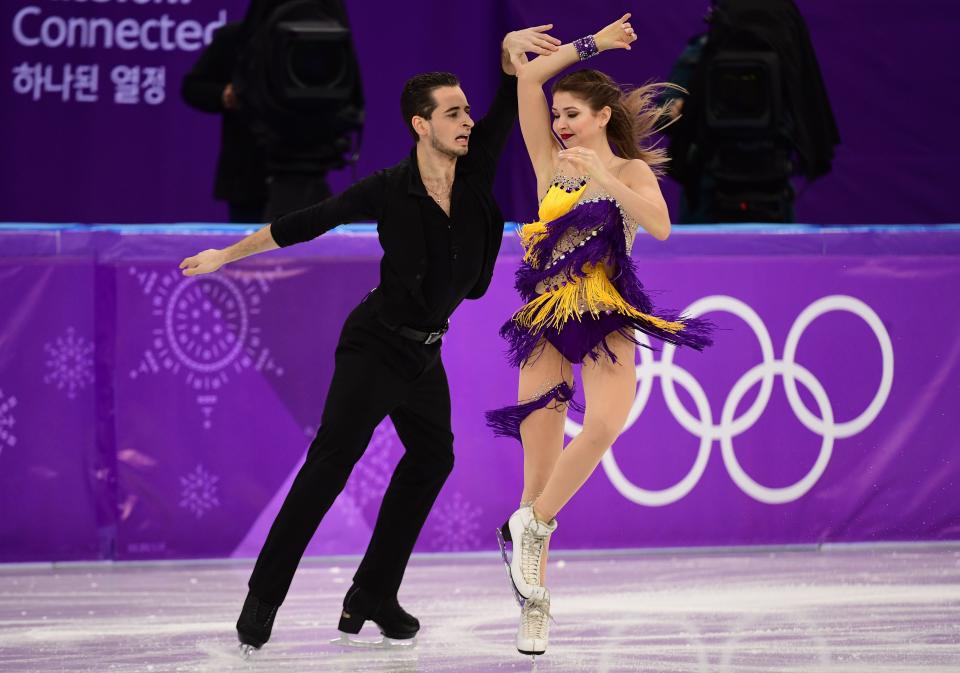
(746, 145)
(757, 114)
(299, 85)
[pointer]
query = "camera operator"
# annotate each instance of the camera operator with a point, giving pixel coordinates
(241, 178)
(756, 115)
(297, 83)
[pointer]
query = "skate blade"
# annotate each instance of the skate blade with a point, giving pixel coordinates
(506, 563)
(382, 643)
(246, 651)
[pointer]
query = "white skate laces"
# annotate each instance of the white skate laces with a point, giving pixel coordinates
(529, 538)
(531, 549)
(535, 618)
(534, 625)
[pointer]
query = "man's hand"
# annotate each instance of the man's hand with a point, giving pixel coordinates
(229, 98)
(517, 44)
(675, 108)
(207, 261)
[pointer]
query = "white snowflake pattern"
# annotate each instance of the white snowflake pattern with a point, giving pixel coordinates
(347, 510)
(205, 328)
(69, 363)
(455, 525)
(7, 405)
(199, 491)
(371, 475)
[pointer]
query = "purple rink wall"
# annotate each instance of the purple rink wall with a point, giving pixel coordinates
(144, 415)
(94, 129)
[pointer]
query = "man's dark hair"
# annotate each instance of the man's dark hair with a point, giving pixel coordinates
(417, 97)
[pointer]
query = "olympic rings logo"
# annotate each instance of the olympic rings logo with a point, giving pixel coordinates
(731, 426)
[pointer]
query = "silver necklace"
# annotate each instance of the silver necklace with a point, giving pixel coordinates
(440, 196)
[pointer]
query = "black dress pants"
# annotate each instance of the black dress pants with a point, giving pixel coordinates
(377, 373)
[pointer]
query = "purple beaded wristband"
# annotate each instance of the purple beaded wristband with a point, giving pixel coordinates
(586, 47)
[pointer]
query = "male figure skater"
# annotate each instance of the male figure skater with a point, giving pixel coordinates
(440, 230)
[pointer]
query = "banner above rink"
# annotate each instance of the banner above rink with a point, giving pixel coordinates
(33, 27)
(88, 31)
(96, 125)
(95, 131)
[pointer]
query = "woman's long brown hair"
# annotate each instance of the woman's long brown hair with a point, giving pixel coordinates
(635, 115)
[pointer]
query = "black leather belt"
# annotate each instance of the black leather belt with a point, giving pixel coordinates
(425, 338)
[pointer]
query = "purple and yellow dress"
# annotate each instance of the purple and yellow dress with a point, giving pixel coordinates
(580, 285)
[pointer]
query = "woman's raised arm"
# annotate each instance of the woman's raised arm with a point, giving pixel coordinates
(535, 117)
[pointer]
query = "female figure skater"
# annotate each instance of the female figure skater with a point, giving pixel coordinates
(583, 298)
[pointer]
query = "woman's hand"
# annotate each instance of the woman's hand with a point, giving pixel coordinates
(618, 35)
(207, 261)
(585, 161)
(517, 44)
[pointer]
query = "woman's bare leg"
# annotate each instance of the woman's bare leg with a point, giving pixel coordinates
(542, 431)
(609, 391)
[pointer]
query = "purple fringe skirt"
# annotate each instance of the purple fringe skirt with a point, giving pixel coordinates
(506, 422)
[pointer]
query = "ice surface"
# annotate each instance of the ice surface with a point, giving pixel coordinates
(870, 611)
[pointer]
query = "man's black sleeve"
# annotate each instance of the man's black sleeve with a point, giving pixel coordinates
(202, 87)
(361, 202)
(490, 133)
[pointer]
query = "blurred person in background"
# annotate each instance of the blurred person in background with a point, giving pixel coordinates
(241, 177)
(287, 82)
(297, 83)
(756, 115)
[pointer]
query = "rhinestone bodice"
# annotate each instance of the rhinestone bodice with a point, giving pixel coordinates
(589, 192)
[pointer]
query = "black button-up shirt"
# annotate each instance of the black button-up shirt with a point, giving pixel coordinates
(454, 247)
(431, 262)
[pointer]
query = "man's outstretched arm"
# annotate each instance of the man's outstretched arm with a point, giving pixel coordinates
(360, 202)
(210, 260)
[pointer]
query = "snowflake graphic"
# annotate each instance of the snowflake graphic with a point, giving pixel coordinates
(205, 327)
(455, 525)
(69, 363)
(7, 405)
(199, 491)
(347, 510)
(371, 475)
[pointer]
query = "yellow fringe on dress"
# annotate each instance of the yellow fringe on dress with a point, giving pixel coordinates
(556, 203)
(594, 293)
